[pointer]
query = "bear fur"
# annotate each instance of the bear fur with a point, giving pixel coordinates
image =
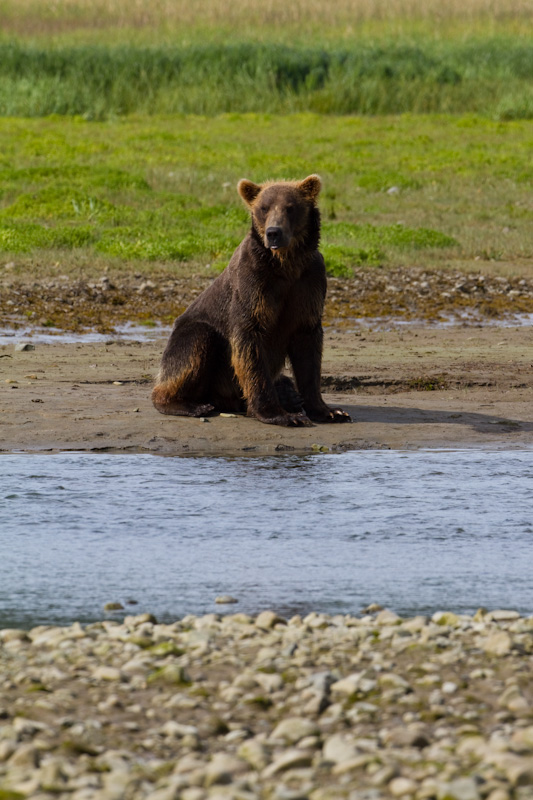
(227, 351)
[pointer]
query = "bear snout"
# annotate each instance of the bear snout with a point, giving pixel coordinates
(276, 237)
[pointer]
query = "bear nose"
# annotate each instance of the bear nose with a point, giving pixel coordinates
(274, 235)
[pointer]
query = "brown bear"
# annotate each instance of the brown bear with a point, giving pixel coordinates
(227, 351)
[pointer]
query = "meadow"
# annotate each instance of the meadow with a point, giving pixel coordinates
(125, 127)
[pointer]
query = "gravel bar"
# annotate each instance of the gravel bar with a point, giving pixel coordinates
(237, 707)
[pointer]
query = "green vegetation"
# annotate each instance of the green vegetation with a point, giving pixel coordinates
(488, 76)
(147, 193)
(135, 122)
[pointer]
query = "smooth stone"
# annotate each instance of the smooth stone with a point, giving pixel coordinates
(293, 729)
(223, 768)
(255, 753)
(291, 759)
(497, 644)
(348, 685)
(503, 615)
(387, 617)
(459, 789)
(26, 755)
(399, 787)
(105, 673)
(177, 729)
(339, 748)
(267, 620)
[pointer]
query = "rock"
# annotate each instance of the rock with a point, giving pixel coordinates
(445, 618)
(146, 286)
(387, 617)
(502, 615)
(348, 685)
(269, 682)
(268, 619)
(497, 644)
(290, 759)
(513, 699)
(14, 635)
(518, 770)
(223, 769)
(449, 687)
(177, 729)
(255, 753)
(399, 787)
(293, 729)
(25, 728)
(105, 673)
(22, 347)
(384, 775)
(26, 755)
(170, 674)
(408, 736)
(522, 740)
(499, 794)
(459, 789)
(225, 599)
(7, 748)
(113, 607)
(339, 748)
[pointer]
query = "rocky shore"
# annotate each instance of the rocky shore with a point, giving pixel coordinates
(71, 304)
(238, 708)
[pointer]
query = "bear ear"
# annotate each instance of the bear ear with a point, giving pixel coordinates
(311, 186)
(248, 191)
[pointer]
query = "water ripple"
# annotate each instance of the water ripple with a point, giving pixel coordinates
(415, 531)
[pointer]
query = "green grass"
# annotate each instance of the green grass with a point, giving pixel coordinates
(160, 192)
(490, 76)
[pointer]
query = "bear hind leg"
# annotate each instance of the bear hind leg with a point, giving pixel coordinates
(182, 386)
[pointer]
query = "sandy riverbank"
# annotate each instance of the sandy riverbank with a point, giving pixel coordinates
(407, 387)
(241, 708)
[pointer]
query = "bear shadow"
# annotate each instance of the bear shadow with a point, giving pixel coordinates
(395, 415)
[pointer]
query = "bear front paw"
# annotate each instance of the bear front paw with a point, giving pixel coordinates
(330, 415)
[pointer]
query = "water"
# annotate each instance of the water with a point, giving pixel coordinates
(414, 531)
(127, 332)
(133, 332)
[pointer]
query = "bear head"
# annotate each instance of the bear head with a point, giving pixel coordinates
(284, 213)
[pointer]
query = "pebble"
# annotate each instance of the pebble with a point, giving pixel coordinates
(399, 787)
(241, 708)
(293, 729)
(497, 644)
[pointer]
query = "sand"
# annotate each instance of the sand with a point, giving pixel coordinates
(405, 387)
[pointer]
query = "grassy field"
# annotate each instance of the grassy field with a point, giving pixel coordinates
(101, 59)
(141, 193)
(492, 76)
(124, 128)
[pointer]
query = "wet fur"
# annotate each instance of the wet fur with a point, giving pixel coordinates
(227, 351)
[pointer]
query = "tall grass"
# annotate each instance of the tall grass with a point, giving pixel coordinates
(272, 19)
(487, 76)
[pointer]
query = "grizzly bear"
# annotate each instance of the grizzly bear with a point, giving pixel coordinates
(227, 351)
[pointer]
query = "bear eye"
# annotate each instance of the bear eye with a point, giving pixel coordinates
(263, 208)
